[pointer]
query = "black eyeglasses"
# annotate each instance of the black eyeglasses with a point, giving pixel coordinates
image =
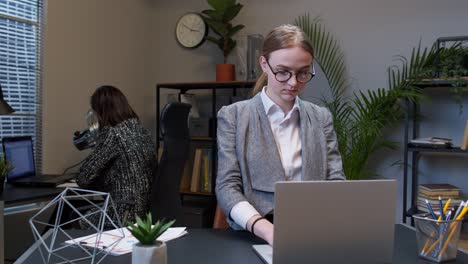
(301, 77)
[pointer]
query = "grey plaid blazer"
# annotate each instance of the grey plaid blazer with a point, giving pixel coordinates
(249, 163)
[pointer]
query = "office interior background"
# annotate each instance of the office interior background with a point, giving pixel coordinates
(131, 44)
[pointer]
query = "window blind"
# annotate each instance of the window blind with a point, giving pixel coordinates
(20, 69)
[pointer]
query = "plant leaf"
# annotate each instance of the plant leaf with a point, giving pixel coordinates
(234, 30)
(218, 27)
(231, 12)
(145, 232)
(212, 14)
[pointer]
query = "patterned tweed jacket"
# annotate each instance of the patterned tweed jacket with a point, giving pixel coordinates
(122, 165)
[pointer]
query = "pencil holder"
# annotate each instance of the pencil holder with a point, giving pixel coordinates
(437, 239)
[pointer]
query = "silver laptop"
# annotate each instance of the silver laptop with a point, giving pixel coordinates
(332, 222)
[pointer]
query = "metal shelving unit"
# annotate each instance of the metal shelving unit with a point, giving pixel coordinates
(214, 87)
(412, 154)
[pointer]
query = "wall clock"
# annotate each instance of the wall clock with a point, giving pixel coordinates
(191, 30)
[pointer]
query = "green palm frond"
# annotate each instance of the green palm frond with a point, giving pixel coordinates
(410, 73)
(359, 121)
(328, 53)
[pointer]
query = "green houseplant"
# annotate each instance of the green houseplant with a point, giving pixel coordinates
(5, 169)
(149, 250)
(219, 20)
(452, 65)
(359, 120)
(452, 62)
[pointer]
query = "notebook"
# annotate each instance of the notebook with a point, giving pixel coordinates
(332, 222)
(19, 152)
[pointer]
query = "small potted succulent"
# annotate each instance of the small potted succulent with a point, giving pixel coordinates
(148, 249)
(5, 169)
(218, 20)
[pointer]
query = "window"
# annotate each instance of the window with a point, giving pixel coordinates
(20, 69)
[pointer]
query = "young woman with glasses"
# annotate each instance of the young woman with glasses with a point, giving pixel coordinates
(274, 136)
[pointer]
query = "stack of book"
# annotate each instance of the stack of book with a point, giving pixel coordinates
(432, 192)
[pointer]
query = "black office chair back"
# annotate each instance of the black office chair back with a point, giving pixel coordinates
(166, 201)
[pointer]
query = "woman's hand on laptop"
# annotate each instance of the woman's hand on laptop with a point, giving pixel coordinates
(261, 227)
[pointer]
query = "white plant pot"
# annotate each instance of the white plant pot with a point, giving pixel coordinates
(149, 254)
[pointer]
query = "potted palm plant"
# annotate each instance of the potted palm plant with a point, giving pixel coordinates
(148, 249)
(359, 120)
(219, 20)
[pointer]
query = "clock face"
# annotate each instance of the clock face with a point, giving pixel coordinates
(191, 30)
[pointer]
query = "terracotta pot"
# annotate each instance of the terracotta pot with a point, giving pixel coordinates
(225, 72)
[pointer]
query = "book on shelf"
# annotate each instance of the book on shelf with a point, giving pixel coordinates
(433, 191)
(435, 202)
(205, 170)
(422, 206)
(195, 182)
(198, 175)
(186, 177)
(205, 181)
(438, 187)
(431, 142)
(452, 195)
(436, 140)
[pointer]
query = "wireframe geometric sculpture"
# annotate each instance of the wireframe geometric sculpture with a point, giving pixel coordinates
(99, 207)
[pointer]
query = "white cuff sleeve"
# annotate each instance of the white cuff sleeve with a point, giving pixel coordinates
(242, 212)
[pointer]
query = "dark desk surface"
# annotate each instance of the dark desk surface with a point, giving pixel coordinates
(223, 246)
(14, 194)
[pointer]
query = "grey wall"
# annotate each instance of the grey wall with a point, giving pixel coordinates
(131, 44)
(89, 43)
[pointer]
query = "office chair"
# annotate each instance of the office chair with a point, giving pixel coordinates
(165, 198)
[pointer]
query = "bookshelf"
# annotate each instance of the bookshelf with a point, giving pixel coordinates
(413, 154)
(201, 142)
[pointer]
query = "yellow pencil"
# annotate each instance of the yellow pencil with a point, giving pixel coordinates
(423, 251)
(459, 218)
(447, 205)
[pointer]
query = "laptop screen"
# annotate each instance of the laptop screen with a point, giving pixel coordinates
(19, 152)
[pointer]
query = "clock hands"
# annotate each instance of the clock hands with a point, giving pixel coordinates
(190, 28)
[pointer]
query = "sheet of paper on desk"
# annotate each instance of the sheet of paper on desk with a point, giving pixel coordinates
(68, 184)
(108, 239)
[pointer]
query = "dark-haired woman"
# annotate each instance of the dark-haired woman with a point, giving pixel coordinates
(124, 156)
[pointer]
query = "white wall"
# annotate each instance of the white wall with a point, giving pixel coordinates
(144, 52)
